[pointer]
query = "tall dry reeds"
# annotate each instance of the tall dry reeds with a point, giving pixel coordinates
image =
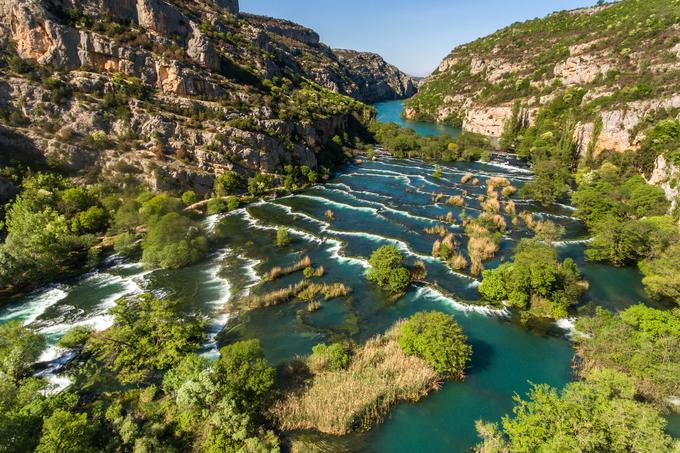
(379, 375)
(278, 272)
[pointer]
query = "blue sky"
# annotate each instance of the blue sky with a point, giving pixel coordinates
(414, 35)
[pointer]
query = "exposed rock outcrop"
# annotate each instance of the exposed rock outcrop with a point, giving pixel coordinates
(624, 81)
(170, 93)
(667, 176)
(376, 79)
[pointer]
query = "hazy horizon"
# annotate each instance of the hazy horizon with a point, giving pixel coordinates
(414, 38)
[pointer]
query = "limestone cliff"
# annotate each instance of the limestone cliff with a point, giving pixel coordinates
(625, 56)
(376, 79)
(171, 93)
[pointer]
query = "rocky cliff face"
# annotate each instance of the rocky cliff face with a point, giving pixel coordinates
(172, 93)
(360, 75)
(625, 56)
(376, 79)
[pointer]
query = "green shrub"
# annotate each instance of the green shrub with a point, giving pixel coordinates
(228, 183)
(333, 357)
(189, 197)
(387, 270)
(436, 338)
(535, 281)
(172, 242)
(282, 238)
(127, 244)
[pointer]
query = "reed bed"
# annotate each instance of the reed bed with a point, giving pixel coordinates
(483, 245)
(491, 205)
(327, 290)
(278, 272)
(436, 198)
(379, 376)
(458, 262)
(275, 297)
(498, 181)
(437, 230)
(455, 200)
(509, 191)
(510, 208)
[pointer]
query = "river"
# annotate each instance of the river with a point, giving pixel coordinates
(383, 202)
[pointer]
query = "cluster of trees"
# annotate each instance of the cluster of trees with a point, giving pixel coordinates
(51, 230)
(641, 342)
(172, 239)
(535, 282)
(138, 386)
(388, 270)
(55, 228)
(598, 414)
(548, 144)
(630, 363)
(439, 340)
(629, 218)
(404, 142)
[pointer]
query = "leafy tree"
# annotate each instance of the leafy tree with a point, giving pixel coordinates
(189, 197)
(154, 207)
(661, 274)
(535, 281)
(387, 270)
(333, 357)
(173, 241)
(22, 407)
(19, 349)
(228, 184)
(599, 414)
(258, 184)
(149, 335)
(231, 430)
(282, 238)
(436, 338)
(642, 342)
(244, 375)
(66, 432)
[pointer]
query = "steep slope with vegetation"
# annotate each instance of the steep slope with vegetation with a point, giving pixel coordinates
(172, 93)
(624, 56)
(574, 85)
(118, 98)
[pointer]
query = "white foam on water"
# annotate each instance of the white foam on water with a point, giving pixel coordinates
(507, 166)
(211, 221)
(426, 291)
(57, 358)
(251, 273)
(337, 204)
(556, 216)
(572, 242)
(565, 206)
(568, 324)
(257, 224)
(99, 319)
(223, 293)
(334, 251)
(37, 304)
(403, 178)
(351, 190)
(384, 207)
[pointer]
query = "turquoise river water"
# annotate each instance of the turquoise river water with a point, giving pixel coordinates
(383, 202)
